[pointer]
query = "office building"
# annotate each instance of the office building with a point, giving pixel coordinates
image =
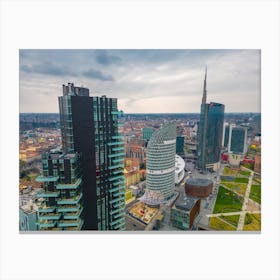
(210, 133)
(147, 133)
(180, 142)
(62, 205)
(237, 143)
(226, 135)
(91, 127)
(184, 212)
(160, 171)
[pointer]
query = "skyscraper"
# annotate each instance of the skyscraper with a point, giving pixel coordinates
(89, 126)
(237, 139)
(210, 132)
(180, 143)
(160, 178)
(62, 208)
(225, 135)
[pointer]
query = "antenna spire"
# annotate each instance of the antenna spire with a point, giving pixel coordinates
(204, 87)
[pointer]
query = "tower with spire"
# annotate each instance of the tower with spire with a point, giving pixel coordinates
(210, 132)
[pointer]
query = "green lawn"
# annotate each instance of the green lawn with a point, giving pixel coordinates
(241, 180)
(234, 219)
(227, 201)
(239, 188)
(252, 222)
(255, 193)
(245, 173)
(228, 171)
(219, 224)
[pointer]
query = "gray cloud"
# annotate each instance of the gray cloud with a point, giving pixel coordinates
(144, 80)
(47, 69)
(102, 57)
(95, 74)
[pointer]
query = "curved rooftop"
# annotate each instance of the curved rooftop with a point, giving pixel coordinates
(198, 182)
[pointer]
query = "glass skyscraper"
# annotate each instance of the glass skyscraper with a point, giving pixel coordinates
(90, 126)
(160, 178)
(210, 132)
(237, 139)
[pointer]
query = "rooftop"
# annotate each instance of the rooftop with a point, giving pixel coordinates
(185, 203)
(198, 182)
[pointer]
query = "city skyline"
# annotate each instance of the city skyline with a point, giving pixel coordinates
(144, 81)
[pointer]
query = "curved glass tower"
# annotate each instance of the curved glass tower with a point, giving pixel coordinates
(161, 152)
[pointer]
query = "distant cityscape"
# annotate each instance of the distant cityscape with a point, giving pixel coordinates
(95, 167)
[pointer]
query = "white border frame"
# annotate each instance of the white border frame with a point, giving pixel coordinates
(158, 24)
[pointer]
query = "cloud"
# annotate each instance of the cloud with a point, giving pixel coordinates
(47, 69)
(95, 74)
(137, 77)
(102, 57)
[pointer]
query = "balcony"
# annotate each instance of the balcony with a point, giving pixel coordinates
(116, 211)
(116, 155)
(43, 179)
(115, 143)
(116, 113)
(120, 171)
(119, 221)
(118, 160)
(69, 223)
(46, 224)
(118, 193)
(46, 209)
(121, 214)
(69, 186)
(69, 208)
(118, 149)
(72, 216)
(45, 194)
(50, 216)
(117, 200)
(114, 178)
(116, 166)
(72, 200)
(116, 189)
(118, 137)
(119, 182)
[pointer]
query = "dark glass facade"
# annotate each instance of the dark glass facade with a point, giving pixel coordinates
(180, 142)
(89, 126)
(210, 134)
(226, 136)
(238, 140)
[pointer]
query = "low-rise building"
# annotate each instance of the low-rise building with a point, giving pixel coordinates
(184, 212)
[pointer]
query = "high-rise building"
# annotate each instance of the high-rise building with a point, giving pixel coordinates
(90, 126)
(226, 135)
(62, 208)
(237, 139)
(147, 133)
(210, 132)
(160, 177)
(180, 142)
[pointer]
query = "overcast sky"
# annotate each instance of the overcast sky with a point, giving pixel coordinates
(144, 81)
